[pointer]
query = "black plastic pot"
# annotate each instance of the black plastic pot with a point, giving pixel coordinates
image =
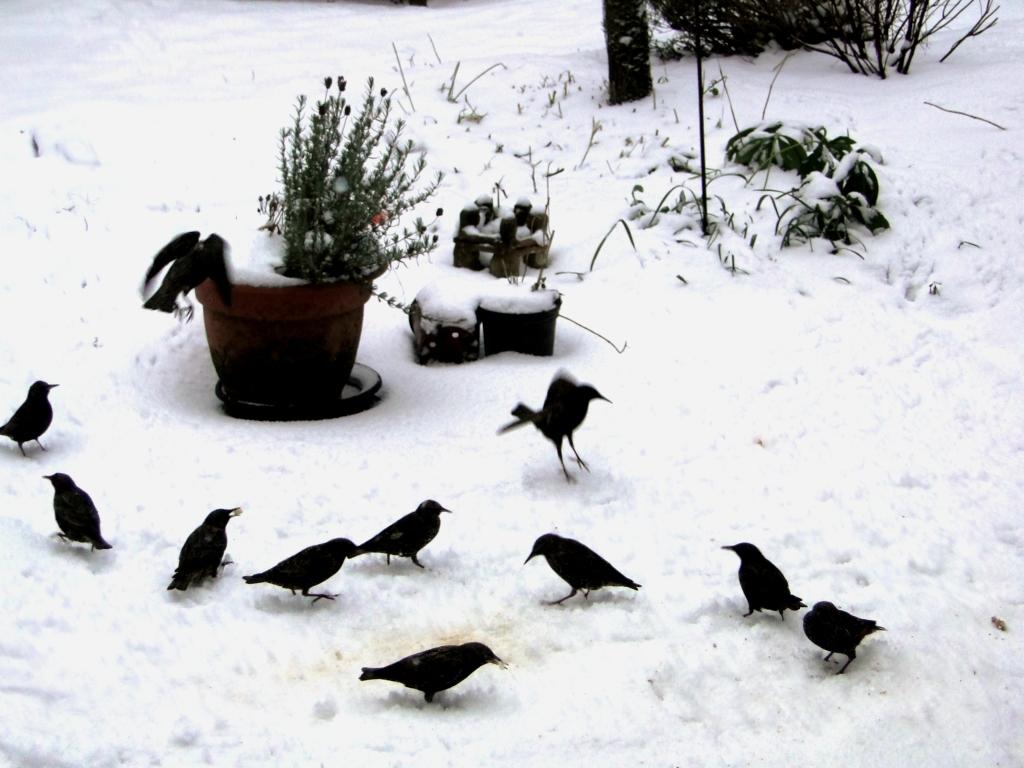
(532, 333)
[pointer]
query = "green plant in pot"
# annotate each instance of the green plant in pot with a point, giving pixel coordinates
(347, 179)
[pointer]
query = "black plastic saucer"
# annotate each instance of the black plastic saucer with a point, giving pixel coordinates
(359, 394)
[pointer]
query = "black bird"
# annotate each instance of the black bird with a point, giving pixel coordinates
(307, 568)
(578, 564)
(564, 409)
(192, 261)
(76, 515)
(408, 535)
(837, 631)
(763, 584)
(436, 669)
(203, 550)
(32, 418)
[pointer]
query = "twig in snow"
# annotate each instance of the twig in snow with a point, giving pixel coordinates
(966, 114)
(607, 235)
(405, 85)
(434, 47)
(591, 330)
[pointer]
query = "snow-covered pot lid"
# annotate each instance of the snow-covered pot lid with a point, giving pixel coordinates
(455, 299)
(518, 299)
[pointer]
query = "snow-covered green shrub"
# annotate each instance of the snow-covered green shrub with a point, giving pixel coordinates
(838, 185)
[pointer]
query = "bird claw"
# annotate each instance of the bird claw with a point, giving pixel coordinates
(559, 602)
(319, 596)
(184, 314)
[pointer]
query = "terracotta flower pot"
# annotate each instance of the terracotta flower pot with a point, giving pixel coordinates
(284, 345)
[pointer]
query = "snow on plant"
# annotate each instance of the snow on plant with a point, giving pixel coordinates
(838, 188)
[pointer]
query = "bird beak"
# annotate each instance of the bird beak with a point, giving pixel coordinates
(498, 662)
(447, 510)
(236, 512)
(48, 477)
(733, 548)
(532, 555)
(51, 386)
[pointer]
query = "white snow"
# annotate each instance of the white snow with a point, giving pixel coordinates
(517, 298)
(859, 419)
(455, 299)
(254, 256)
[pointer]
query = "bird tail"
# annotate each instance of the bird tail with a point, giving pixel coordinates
(370, 673)
(160, 301)
(877, 628)
(256, 578)
(178, 582)
(795, 603)
(524, 415)
(631, 584)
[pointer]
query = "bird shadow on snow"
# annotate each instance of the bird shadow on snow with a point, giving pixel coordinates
(538, 480)
(57, 448)
(597, 597)
(399, 567)
(819, 669)
(286, 603)
(199, 593)
(409, 700)
(97, 562)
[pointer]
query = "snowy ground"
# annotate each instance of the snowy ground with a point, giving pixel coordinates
(867, 435)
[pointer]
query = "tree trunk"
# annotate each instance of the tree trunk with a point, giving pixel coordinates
(627, 38)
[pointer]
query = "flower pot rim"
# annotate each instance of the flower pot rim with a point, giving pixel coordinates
(284, 302)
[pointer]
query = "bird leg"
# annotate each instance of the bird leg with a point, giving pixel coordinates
(748, 613)
(829, 655)
(62, 537)
(849, 658)
(43, 447)
(318, 596)
(559, 602)
(413, 558)
(579, 461)
(185, 312)
(387, 555)
(558, 447)
(22, 449)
